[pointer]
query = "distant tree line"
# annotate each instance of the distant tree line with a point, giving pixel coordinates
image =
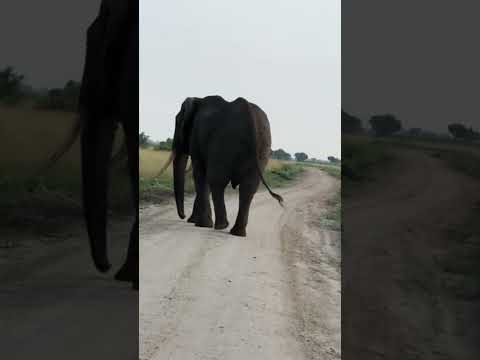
(65, 98)
(380, 125)
(13, 91)
(164, 145)
(389, 125)
(334, 160)
(351, 124)
(145, 142)
(385, 125)
(281, 154)
(460, 131)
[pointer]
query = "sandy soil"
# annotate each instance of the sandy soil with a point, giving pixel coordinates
(205, 294)
(54, 305)
(399, 302)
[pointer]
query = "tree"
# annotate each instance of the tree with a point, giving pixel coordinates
(164, 145)
(385, 125)
(143, 140)
(333, 160)
(281, 154)
(301, 156)
(10, 85)
(351, 124)
(65, 98)
(460, 131)
(71, 93)
(54, 100)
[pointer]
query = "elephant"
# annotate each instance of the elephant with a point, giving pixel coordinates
(108, 97)
(228, 142)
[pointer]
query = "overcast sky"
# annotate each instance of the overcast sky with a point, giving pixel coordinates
(45, 40)
(419, 60)
(282, 55)
(415, 59)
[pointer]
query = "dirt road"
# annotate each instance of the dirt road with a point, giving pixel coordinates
(205, 294)
(407, 290)
(55, 305)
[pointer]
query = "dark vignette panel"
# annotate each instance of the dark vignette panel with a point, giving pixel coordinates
(69, 179)
(410, 180)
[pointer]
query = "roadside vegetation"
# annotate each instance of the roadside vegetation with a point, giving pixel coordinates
(334, 170)
(361, 157)
(366, 146)
(29, 136)
(282, 169)
(468, 163)
(332, 219)
(33, 123)
(280, 174)
(369, 151)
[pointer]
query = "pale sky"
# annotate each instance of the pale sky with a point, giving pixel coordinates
(282, 55)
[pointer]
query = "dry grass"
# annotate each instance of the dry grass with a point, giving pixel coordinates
(29, 137)
(151, 161)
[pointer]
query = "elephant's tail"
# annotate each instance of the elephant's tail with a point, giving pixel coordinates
(259, 169)
(64, 147)
(72, 136)
(167, 164)
(274, 195)
(169, 161)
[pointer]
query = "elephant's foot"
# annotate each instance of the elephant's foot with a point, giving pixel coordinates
(102, 266)
(208, 223)
(238, 231)
(220, 225)
(192, 219)
(127, 273)
(101, 261)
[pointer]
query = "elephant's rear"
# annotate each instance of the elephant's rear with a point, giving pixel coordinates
(263, 143)
(263, 137)
(259, 135)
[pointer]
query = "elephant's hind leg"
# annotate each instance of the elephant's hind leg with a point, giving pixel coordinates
(247, 191)
(218, 194)
(203, 217)
(129, 271)
(195, 212)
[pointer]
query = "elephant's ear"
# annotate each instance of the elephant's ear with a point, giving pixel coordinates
(183, 126)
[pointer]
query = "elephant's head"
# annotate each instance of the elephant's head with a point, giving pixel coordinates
(181, 150)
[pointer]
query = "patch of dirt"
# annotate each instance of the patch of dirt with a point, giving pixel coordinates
(401, 299)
